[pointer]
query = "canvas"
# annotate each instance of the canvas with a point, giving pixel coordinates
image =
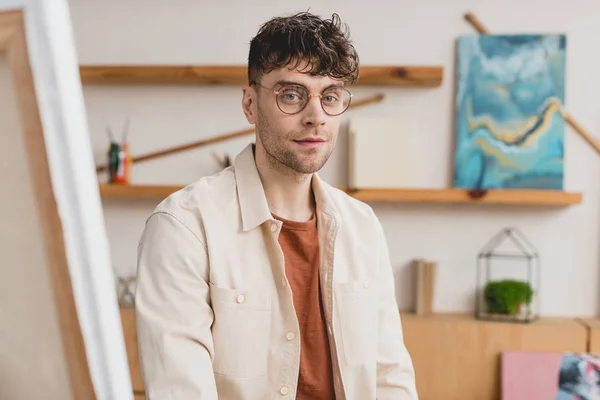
(509, 128)
(381, 152)
(61, 336)
(550, 376)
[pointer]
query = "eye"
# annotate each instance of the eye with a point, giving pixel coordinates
(332, 96)
(329, 98)
(292, 95)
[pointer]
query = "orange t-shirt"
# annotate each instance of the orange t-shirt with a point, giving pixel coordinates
(300, 245)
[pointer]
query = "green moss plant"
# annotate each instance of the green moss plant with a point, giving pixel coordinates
(507, 296)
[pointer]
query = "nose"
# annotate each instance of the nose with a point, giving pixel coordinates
(313, 114)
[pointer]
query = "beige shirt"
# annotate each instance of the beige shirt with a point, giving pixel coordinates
(215, 313)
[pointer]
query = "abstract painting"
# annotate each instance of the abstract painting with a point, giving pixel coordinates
(509, 127)
(551, 376)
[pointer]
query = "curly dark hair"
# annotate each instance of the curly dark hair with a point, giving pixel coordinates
(304, 37)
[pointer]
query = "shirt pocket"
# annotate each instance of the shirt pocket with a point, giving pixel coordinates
(357, 317)
(241, 331)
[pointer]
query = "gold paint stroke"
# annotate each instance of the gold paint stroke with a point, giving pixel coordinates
(512, 132)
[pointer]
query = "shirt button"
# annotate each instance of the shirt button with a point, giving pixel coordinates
(330, 331)
(290, 335)
(273, 227)
(366, 284)
(283, 281)
(284, 390)
(240, 298)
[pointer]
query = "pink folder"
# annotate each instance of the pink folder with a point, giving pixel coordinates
(530, 375)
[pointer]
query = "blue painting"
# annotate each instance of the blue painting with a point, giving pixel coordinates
(579, 377)
(510, 130)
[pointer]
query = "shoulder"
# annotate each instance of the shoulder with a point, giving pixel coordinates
(187, 204)
(351, 208)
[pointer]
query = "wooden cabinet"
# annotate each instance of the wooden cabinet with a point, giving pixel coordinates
(133, 355)
(457, 357)
(593, 326)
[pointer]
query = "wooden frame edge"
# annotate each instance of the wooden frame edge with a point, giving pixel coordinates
(13, 42)
(9, 24)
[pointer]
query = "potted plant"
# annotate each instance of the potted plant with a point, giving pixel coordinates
(507, 296)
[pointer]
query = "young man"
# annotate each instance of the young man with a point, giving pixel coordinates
(263, 281)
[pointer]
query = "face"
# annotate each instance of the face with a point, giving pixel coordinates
(299, 142)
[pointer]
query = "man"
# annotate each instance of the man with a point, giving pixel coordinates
(263, 281)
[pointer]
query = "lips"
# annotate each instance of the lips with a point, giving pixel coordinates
(310, 143)
(310, 140)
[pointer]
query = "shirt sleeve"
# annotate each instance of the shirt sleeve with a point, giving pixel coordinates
(173, 312)
(395, 371)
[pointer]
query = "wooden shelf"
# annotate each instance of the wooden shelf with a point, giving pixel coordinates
(509, 197)
(423, 76)
(137, 191)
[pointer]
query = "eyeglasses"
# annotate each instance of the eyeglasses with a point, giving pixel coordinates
(291, 99)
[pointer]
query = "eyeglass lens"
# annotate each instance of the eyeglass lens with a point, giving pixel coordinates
(292, 99)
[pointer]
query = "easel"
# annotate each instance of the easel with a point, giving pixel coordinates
(60, 332)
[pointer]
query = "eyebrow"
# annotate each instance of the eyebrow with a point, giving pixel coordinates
(286, 82)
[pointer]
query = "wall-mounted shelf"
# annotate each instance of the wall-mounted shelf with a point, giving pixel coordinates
(423, 76)
(508, 197)
(137, 191)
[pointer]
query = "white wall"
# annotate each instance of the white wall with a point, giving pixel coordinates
(385, 32)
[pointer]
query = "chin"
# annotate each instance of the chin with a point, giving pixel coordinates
(307, 167)
(303, 163)
(307, 171)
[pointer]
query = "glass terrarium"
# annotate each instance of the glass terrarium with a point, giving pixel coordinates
(508, 279)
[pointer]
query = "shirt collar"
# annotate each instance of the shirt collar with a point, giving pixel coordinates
(254, 208)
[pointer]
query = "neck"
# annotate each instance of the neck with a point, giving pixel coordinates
(289, 193)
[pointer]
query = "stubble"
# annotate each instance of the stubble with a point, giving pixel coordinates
(281, 157)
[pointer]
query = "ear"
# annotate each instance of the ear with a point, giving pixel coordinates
(249, 103)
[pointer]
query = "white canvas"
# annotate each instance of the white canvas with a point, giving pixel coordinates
(381, 152)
